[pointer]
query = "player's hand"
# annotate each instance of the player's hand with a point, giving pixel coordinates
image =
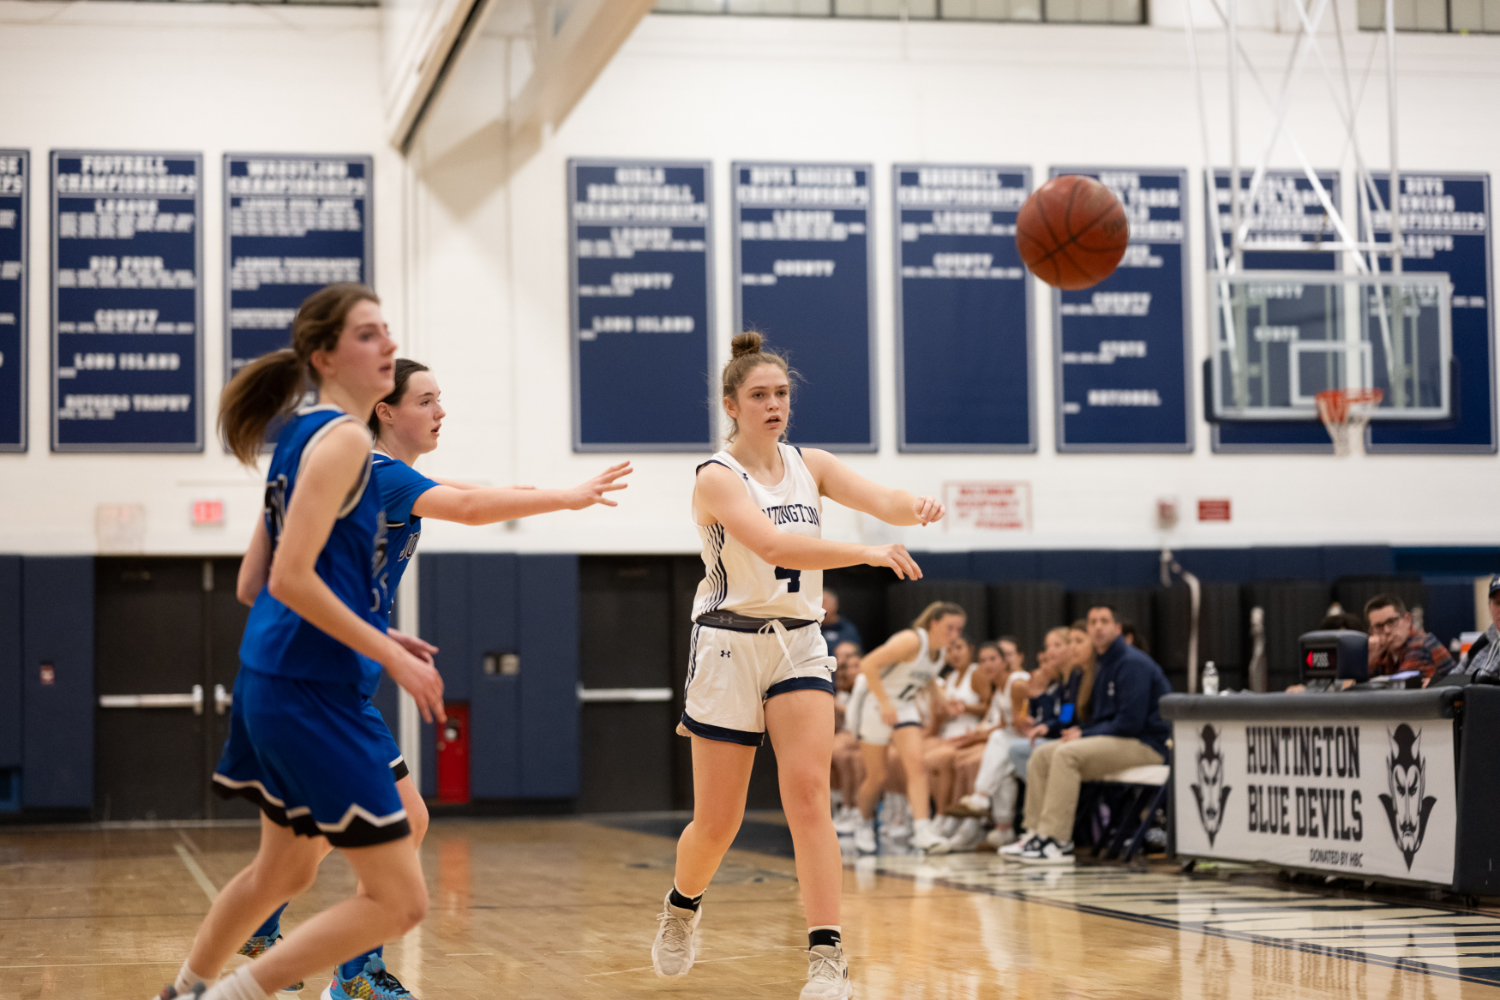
(593, 491)
(888, 714)
(1071, 733)
(928, 510)
(418, 647)
(896, 558)
(418, 678)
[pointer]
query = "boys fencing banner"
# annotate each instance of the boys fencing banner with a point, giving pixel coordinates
(127, 305)
(15, 185)
(1375, 797)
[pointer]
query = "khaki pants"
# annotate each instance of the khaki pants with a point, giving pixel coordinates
(1058, 768)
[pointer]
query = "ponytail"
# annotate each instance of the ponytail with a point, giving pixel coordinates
(272, 384)
(263, 390)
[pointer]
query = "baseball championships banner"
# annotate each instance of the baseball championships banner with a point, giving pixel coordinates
(1374, 798)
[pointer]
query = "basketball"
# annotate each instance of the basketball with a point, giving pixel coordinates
(1072, 232)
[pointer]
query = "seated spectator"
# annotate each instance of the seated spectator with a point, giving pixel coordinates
(1133, 636)
(846, 657)
(1125, 729)
(837, 630)
(1066, 691)
(984, 779)
(848, 766)
(1482, 661)
(966, 693)
(884, 711)
(1396, 647)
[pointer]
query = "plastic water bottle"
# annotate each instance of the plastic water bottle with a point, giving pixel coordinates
(1210, 678)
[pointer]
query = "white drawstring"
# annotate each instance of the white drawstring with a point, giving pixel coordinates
(774, 624)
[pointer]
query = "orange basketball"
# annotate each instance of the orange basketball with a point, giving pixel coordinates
(1072, 232)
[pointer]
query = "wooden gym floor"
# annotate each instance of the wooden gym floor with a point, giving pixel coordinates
(566, 908)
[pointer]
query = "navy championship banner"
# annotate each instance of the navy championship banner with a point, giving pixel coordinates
(15, 192)
(803, 264)
(963, 310)
(1122, 349)
(640, 242)
(1445, 226)
(127, 316)
(1286, 207)
(292, 224)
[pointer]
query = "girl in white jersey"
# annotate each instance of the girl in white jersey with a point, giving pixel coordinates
(883, 710)
(759, 663)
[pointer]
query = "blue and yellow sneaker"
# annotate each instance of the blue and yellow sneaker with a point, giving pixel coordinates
(256, 947)
(374, 983)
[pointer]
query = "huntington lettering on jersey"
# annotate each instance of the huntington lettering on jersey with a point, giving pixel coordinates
(793, 513)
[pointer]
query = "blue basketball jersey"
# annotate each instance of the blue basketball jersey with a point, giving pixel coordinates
(400, 485)
(277, 640)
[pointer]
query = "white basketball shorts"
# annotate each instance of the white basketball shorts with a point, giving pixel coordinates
(732, 673)
(864, 721)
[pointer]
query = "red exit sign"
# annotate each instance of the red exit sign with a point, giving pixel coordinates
(1213, 510)
(208, 511)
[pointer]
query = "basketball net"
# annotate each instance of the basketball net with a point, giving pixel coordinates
(1345, 412)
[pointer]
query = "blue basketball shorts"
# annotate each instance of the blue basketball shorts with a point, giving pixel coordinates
(315, 756)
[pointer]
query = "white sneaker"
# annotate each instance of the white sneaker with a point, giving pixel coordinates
(864, 837)
(847, 821)
(1013, 851)
(1047, 851)
(924, 837)
(974, 804)
(676, 939)
(827, 974)
(999, 837)
(947, 826)
(969, 836)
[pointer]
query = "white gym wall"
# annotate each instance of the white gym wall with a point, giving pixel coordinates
(471, 240)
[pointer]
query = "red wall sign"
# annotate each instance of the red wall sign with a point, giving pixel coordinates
(1213, 510)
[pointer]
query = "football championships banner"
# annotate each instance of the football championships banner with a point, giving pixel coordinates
(1356, 797)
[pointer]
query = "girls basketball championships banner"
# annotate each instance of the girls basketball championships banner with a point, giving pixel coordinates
(1374, 798)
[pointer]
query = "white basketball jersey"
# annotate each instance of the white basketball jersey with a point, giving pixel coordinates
(905, 681)
(736, 579)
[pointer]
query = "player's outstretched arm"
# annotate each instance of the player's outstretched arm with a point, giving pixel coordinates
(489, 505)
(843, 485)
(720, 495)
(321, 488)
(897, 649)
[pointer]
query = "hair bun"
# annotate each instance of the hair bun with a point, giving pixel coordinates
(746, 343)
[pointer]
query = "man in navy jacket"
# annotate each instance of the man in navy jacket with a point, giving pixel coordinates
(1124, 729)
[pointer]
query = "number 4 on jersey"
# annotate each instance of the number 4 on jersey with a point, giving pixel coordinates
(793, 578)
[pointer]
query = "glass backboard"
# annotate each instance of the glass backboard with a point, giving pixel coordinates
(1281, 337)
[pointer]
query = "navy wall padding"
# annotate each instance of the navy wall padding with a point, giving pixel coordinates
(443, 614)
(57, 627)
(495, 709)
(1448, 561)
(943, 565)
(10, 661)
(1005, 566)
(523, 739)
(1450, 607)
(549, 627)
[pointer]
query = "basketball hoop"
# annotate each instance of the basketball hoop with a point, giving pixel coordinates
(1345, 412)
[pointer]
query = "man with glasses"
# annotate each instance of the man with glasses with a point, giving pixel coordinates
(1396, 647)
